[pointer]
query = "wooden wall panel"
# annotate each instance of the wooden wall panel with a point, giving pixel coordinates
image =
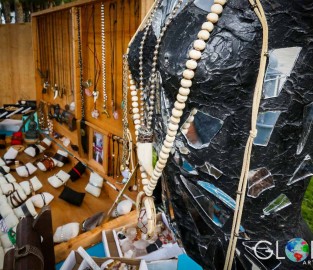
(122, 18)
(120, 24)
(17, 76)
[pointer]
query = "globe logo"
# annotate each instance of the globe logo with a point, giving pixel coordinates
(297, 250)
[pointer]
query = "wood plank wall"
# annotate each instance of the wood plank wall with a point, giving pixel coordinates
(17, 74)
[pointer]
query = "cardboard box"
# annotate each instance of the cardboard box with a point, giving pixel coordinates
(112, 246)
(74, 261)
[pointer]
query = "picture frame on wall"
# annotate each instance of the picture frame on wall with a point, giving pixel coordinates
(98, 148)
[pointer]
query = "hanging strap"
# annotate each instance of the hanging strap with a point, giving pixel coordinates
(240, 199)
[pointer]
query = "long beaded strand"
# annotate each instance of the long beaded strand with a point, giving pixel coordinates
(103, 58)
(183, 92)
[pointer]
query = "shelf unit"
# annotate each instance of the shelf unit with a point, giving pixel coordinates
(56, 53)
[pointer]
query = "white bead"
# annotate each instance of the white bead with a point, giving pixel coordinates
(161, 166)
(165, 149)
(134, 98)
(130, 77)
(179, 106)
(142, 169)
(157, 174)
(194, 111)
(190, 118)
(221, 2)
(212, 17)
(135, 110)
(173, 126)
(174, 119)
(194, 54)
(191, 64)
(163, 155)
(188, 74)
(137, 122)
(177, 113)
(181, 98)
(153, 184)
(172, 133)
(162, 161)
(169, 139)
(184, 131)
(135, 104)
(158, 169)
(137, 126)
(217, 8)
(199, 44)
(204, 34)
(184, 91)
(208, 26)
(136, 133)
(136, 116)
(168, 144)
(153, 181)
(133, 90)
(147, 191)
(186, 126)
(132, 81)
(151, 189)
(185, 83)
(145, 181)
(144, 175)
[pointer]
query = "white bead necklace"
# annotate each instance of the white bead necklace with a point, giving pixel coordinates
(103, 58)
(181, 98)
(184, 90)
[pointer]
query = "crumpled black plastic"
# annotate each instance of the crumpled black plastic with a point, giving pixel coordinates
(223, 87)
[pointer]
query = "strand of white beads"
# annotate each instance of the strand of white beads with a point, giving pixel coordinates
(183, 92)
(181, 98)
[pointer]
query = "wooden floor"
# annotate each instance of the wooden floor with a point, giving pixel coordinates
(63, 212)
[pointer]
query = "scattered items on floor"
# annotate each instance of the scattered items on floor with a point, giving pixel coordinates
(66, 232)
(93, 221)
(122, 208)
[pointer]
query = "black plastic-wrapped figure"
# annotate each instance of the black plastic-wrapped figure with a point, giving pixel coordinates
(204, 166)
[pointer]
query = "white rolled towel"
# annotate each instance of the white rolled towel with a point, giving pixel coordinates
(8, 178)
(43, 168)
(26, 209)
(122, 208)
(16, 198)
(7, 188)
(95, 184)
(5, 209)
(66, 232)
(31, 150)
(64, 154)
(10, 154)
(59, 179)
(3, 198)
(5, 240)
(41, 199)
(26, 170)
(31, 185)
(4, 170)
(11, 220)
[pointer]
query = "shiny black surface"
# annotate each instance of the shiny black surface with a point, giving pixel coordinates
(223, 88)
